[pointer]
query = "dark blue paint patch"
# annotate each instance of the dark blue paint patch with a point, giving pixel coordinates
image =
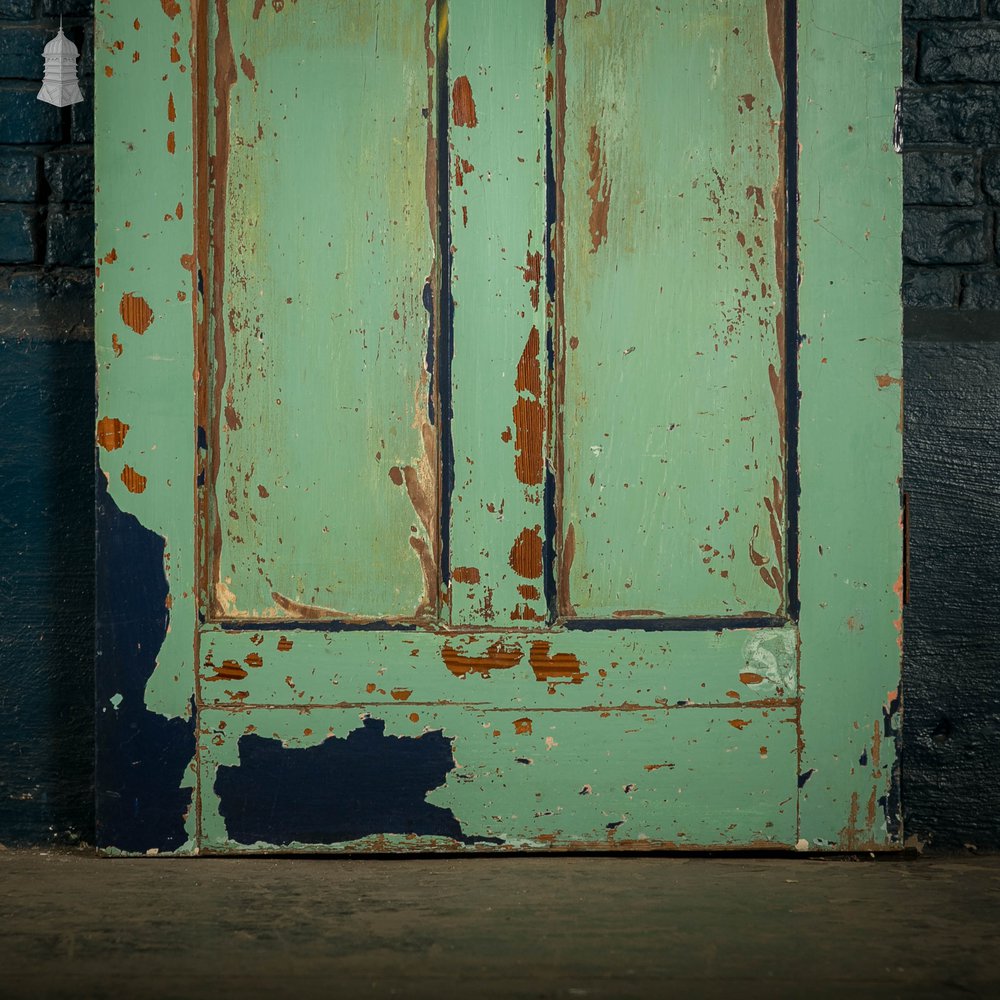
(340, 790)
(551, 518)
(141, 755)
(863, 759)
(202, 447)
(551, 208)
(805, 776)
(889, 713)
(892, 805)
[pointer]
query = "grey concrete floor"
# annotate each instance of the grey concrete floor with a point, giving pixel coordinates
(77, 926)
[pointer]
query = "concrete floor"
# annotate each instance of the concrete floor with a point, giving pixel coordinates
(75, 926)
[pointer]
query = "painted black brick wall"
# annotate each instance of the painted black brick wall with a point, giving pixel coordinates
(46, 178)
(951, 290)
(951, 767)
(47, 454)
(951, 163)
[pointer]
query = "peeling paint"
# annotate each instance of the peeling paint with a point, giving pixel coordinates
(314, 612)
(463, 106)
(111, 433)
(142, 756)
(526, 553)
(299, 543)
(134, 481)
(499, 656)
(599, 191)
(567, 553)
(135, 313)
(529, 435)
(465, 574)
(529, 370)
(341, 790)
(554, 667)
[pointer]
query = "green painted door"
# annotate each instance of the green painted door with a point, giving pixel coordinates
(499, 425)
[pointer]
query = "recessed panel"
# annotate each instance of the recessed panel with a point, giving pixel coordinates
(672, 309)
(323, 248)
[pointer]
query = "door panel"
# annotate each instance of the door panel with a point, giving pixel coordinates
(674, 399)
(322, 248)
(414, 605)
(504, 777)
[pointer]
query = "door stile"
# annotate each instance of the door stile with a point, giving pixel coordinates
(146, 774)
(850, 428)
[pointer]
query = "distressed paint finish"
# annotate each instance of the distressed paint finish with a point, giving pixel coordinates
(144, 204)
(672, 301)
(560, 669)
(655, 733)
(496, 145)
(850, 367)
(525, 714)
(325, 484)
(720, 777)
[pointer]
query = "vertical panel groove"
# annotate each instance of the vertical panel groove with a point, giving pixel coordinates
(792, 335)
(549, 499)
(445, 332)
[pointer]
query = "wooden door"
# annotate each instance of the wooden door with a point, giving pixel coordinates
(498, 425)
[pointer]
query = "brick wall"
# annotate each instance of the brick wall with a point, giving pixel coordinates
(46, 178)
(47, 449)
(951, 288)
(951, 136)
